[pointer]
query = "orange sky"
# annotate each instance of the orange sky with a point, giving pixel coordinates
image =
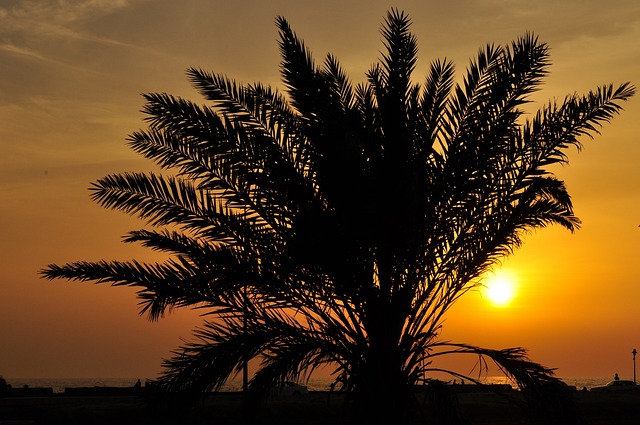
(71, 75)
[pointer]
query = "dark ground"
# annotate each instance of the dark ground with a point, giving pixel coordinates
(317, 408)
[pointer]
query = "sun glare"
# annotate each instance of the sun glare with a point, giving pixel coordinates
(500, 288)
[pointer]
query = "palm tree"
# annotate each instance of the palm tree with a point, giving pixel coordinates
(337, 224)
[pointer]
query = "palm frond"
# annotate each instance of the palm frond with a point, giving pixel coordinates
(164, 286)
(164, 201)
(557, 127)
(434, 100)
(299, 73)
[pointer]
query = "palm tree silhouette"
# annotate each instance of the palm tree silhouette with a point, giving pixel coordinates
(337, 224)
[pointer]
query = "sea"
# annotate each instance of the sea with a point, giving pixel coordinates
(319, 384)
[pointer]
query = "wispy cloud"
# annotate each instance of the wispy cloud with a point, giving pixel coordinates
(22, 51)
(61, 12)
(29, 19)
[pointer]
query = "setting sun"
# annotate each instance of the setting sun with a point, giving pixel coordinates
(500, 288)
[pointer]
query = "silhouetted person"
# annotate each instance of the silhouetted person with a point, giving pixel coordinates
(616, 377)
(138, 384)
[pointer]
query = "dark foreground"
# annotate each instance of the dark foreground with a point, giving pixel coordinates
(317, 408)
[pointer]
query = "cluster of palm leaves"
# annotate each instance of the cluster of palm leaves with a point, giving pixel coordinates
(337, 223)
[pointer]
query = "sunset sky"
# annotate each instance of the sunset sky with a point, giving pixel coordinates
(71, 76)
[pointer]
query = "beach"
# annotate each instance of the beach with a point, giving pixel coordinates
(316, 408)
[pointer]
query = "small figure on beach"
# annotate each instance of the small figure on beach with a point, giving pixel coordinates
(616, 377)
(138, 384)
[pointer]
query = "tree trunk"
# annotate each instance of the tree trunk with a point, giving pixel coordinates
(382, 394)
(383, 398)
